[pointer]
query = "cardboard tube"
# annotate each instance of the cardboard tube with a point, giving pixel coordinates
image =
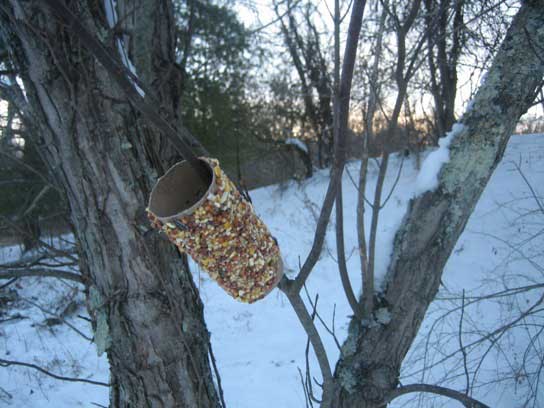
(219, 229)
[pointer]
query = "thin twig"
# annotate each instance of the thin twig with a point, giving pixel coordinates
(5, 285)
(332, 331)
(60, 318)
(38, 260)
(305, 319)
(461, 347)
(308, 380)
(303, 383)
(217, 376)
(274, 21)
(533, 192)
(7, 363)
(15, 317)
(394, 184)
(40, 272)
(527, 312)
(366, 200)
(30, 168)
(6, 394)
(36, 200)
(320, 231)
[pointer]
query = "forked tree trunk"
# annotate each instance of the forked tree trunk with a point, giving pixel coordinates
(371, 358)
(147, 310)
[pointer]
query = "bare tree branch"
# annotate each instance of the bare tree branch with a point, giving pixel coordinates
(218, 378)
(338, 167)
(60, 318)
(277, 19)
(341, 253)
(7, 363)
(30, 168)
(36, 200)
(10, 282)
(330, 330)
(527, 312)
(305, 319)
(435, 389)
(45, 272)
(461, 347)
(531, 188)
(5, 394)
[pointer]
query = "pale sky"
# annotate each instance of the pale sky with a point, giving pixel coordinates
(263, 14)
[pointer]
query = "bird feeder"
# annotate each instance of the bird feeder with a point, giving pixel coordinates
(218, 228)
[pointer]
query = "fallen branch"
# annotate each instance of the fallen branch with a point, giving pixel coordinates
(59, 318)
(5, 285)
(42, 258)
(7, 363)
(15, 317)
(46, 272)
(217, 377)
(4, 394)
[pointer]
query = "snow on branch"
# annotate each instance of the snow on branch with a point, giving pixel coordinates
(297, 143)
(111, 15)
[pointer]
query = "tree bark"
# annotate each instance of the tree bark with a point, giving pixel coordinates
(147, 310)
(371, 357)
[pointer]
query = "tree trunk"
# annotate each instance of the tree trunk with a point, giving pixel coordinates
(371, 357)
(147, 310)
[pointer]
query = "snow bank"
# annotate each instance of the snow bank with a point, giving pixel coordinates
(264, 344)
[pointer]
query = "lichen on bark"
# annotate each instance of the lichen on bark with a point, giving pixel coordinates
(98, 309)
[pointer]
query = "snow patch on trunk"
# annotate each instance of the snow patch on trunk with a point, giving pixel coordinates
(427, 179)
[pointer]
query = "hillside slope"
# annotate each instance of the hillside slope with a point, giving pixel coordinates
(261, 347)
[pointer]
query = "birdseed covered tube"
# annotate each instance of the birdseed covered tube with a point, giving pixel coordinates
(219, 229)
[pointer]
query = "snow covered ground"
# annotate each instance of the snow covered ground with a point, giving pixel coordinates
(260, 347)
